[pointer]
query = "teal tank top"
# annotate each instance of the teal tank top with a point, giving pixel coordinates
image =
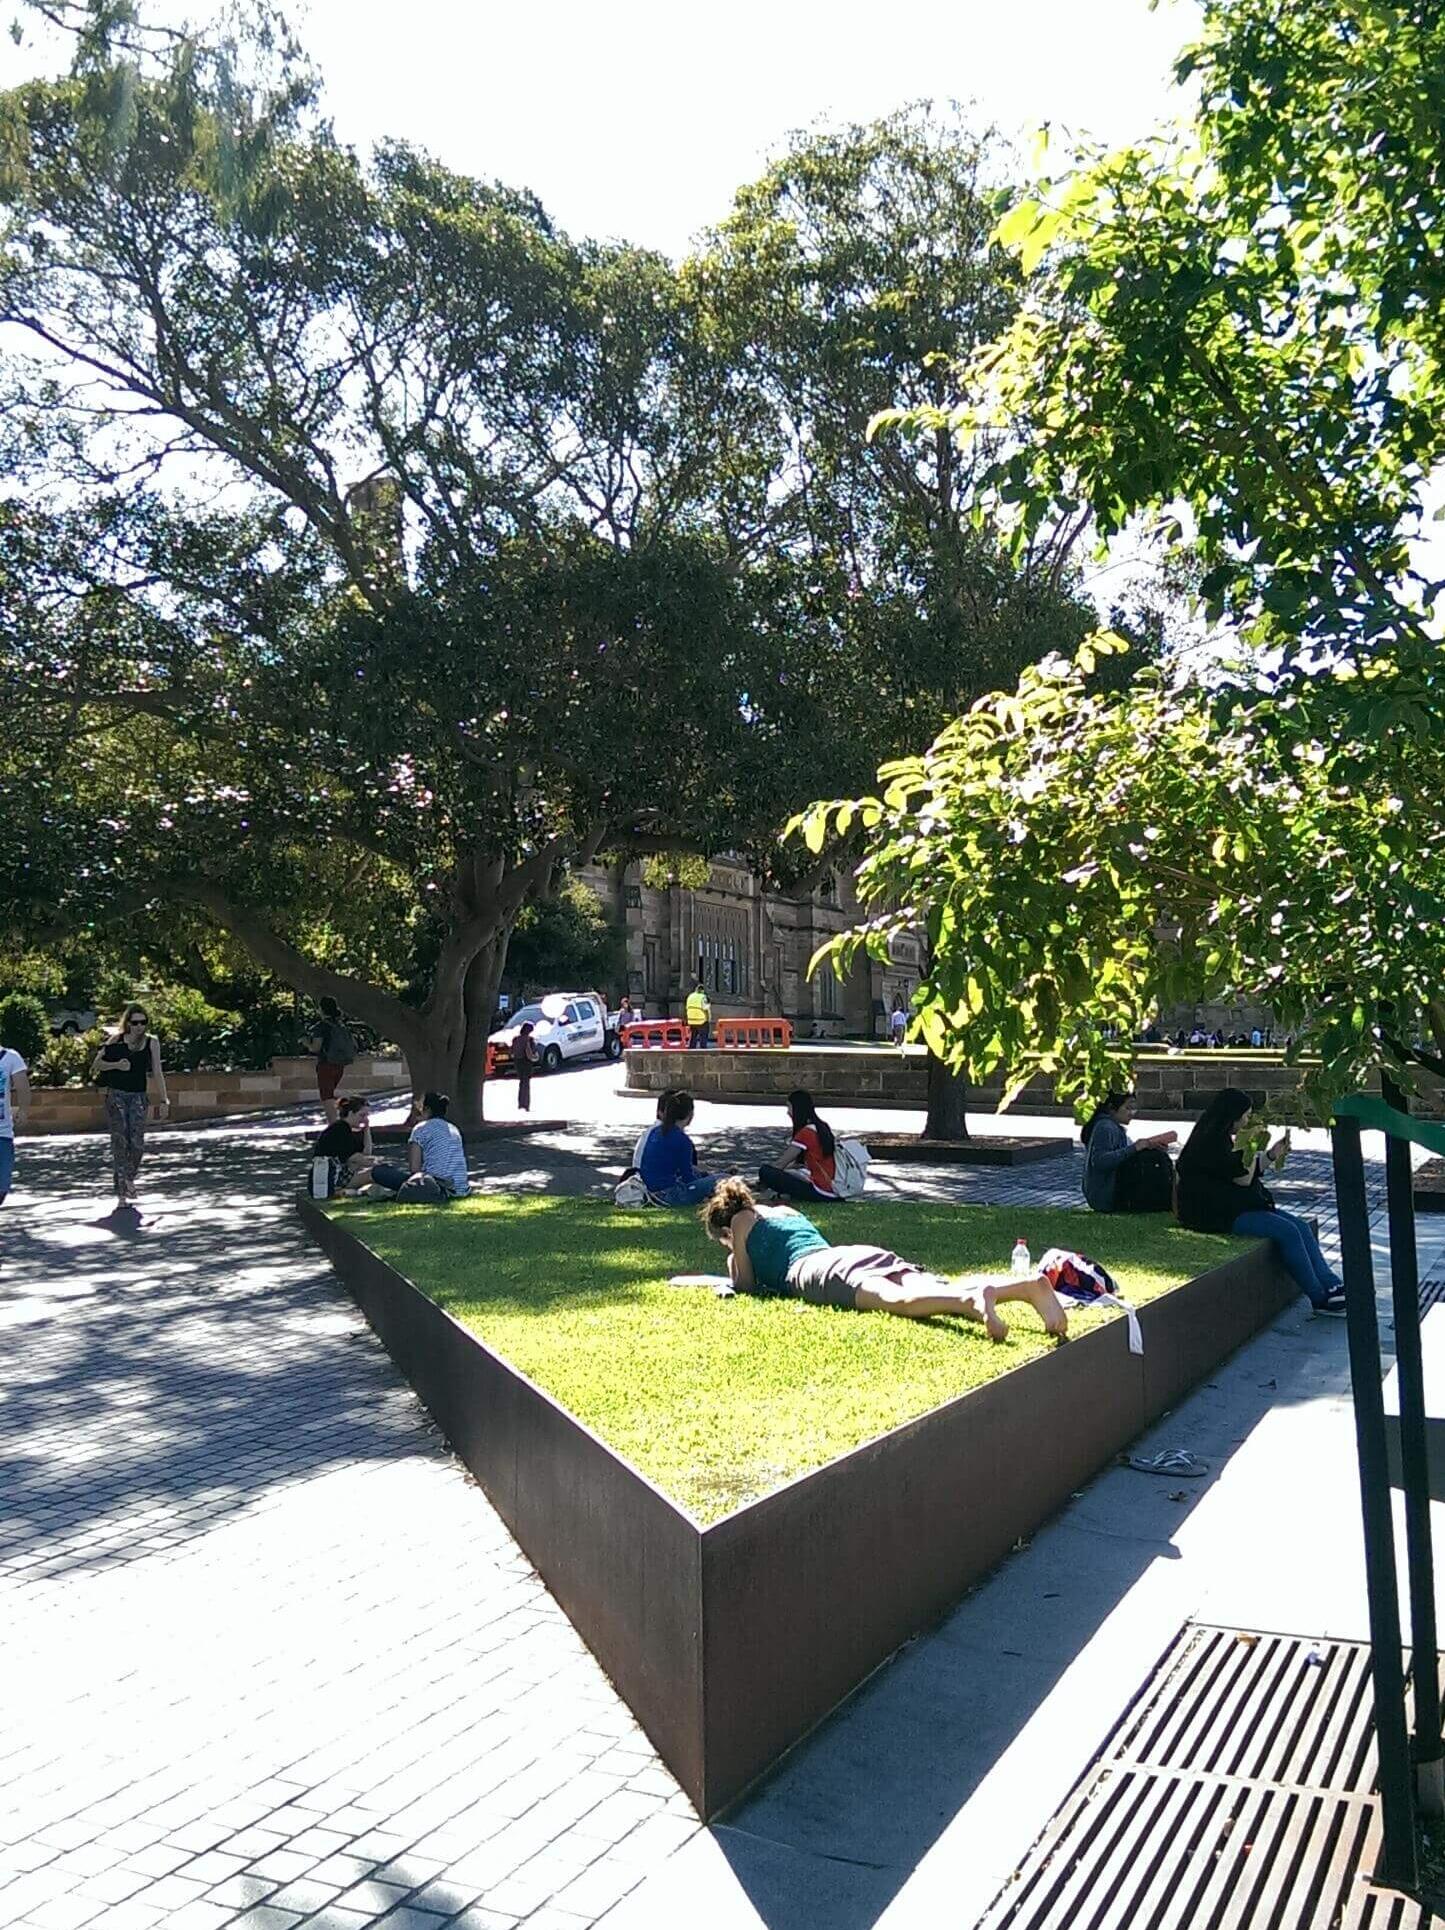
(775, 1242)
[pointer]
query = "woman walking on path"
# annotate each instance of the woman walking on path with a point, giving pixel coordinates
(128, 1066)
(1222, 1191)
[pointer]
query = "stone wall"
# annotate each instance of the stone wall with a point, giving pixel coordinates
(1168, 1085)
(215, 1095)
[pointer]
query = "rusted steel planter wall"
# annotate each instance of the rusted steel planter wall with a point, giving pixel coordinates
(730, 1642)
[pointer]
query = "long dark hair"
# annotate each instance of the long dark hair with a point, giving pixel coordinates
(676, 1109)
(1214, 1129)
(1107, 1107)
(803, 1112)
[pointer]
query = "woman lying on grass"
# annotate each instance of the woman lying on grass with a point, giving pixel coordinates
(773, 1250)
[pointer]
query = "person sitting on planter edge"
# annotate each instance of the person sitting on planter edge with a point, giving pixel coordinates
(347, 1140)
(775, 1251)
(668, 1159)
(436, 1160)
(1123, 1175)
(1222, 1191)
(807, 1168)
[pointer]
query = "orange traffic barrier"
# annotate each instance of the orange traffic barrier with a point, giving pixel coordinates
(741, 1033)
(660, 1035)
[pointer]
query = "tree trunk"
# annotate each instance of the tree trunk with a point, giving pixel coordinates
(947, 1093)
(479, 1003)
(433, 1061)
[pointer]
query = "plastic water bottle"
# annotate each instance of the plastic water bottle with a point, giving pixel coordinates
(321, 1179)
(1022, 1265)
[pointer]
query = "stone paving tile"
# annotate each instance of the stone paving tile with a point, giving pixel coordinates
(304, 1674)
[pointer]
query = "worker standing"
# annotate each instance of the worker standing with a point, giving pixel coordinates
(699, 1015)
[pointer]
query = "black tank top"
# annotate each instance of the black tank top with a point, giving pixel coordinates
(123, 1067)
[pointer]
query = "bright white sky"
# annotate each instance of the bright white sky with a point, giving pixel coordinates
(638, 120)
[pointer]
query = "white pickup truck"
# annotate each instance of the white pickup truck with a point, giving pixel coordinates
(565, 1025)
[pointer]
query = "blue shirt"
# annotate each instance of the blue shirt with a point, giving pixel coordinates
(667, 1159)
(777, 1241)
(442, 1152)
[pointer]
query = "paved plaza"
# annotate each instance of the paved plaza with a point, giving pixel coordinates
(270, 1657)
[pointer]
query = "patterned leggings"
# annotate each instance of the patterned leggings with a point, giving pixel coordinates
(125, 1114)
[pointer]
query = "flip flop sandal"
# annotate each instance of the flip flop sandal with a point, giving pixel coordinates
(1172, 1461)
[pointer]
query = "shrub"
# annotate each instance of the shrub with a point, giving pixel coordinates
(66, 1059)
(24, 1026)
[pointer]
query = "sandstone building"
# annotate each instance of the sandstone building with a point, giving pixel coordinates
(751, 948)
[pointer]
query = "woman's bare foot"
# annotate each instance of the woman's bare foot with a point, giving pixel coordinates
(1050, 1309)
(993, 1320)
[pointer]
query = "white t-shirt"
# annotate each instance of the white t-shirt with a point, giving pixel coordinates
(442, 1152)
(10, 1064)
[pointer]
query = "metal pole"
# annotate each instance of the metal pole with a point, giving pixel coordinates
(1397, 1865)
(1414, 1469)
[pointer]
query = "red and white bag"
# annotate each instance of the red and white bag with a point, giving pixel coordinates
(1077, 1277)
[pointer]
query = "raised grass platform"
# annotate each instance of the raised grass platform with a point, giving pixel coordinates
(733, 1624)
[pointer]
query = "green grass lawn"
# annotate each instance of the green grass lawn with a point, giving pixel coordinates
(720, 1401)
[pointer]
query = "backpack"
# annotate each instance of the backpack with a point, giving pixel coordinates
(338, 1048)
(631, 1190)
(851, 1160)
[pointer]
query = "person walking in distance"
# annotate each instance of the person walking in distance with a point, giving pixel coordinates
(14, 1105)
(699, 1015)
(128, 1067)
(526, 1059)
(335, 1049)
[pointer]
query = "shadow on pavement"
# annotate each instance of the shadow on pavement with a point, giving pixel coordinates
(155, 1372)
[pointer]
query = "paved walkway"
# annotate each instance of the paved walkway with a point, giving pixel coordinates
(268, 1654)
(271, 1658)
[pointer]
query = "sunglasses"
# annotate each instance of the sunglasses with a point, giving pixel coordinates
(139, 1019)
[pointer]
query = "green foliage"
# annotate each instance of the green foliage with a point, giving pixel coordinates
(682, 868)
(618, 566)
(1234, 334)
(67, 1058)
(852, 278)
(360, 730)
(24, 1026)
(720, 1402)
(566, 943)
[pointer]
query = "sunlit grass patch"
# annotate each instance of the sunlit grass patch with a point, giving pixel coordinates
(720, 1401)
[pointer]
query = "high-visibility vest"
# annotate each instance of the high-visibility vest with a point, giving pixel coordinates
(698, 1008)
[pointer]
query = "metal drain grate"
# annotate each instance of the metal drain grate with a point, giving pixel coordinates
(1432, 1292)
(1236, 1794)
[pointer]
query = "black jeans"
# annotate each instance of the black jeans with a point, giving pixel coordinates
(790, 1182)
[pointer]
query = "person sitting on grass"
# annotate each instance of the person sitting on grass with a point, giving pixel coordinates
(1222, 1191)
(347, 1140)
(643, 1136)
(775, 1251)
(806, 1169)
(436, 1160)
(1123, 1175)
(668, 1160)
